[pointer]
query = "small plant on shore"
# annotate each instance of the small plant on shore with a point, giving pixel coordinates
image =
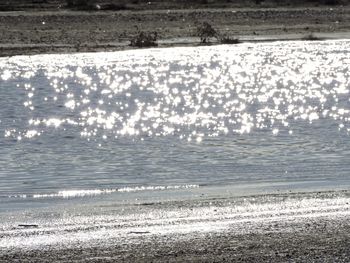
(311, 37)
(225, 39)
(144, 39)
(205, 32)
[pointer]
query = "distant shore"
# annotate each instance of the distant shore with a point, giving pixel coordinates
(65, 31)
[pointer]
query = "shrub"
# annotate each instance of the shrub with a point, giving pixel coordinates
(311, 37)
(225, 39)
(144, 39)
(205, 31)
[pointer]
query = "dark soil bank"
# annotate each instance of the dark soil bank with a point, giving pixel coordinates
(71, 30)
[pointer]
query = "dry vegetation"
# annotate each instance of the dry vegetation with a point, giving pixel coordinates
(144, 39)
(205, 31)
(311, 37)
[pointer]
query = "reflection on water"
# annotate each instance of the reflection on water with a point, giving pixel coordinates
(209, 115)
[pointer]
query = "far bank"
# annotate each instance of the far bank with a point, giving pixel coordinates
(34, 32)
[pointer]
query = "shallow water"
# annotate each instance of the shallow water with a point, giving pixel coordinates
(164, 119)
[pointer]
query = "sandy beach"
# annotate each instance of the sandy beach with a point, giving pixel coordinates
(316, 241)
(290, 227)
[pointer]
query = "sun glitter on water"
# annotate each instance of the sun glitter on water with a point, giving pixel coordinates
(188, 93)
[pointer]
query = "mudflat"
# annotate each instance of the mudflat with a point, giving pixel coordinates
(61, 30)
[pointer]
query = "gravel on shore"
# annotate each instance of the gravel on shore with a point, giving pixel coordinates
(319, 240)
(309, 227)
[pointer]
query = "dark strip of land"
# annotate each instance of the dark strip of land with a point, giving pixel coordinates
(59, 30)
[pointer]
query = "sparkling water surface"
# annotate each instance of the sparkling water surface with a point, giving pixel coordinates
(162, 119)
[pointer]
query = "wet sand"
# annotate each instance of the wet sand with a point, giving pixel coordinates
(318, 241)
(61, 31)
(304, 227)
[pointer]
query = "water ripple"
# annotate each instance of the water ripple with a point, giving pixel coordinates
(190, 93)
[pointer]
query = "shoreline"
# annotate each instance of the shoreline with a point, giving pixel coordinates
(45, 49)
(40, 32)
(152, 194)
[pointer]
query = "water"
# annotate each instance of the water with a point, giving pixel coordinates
(178, 118)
